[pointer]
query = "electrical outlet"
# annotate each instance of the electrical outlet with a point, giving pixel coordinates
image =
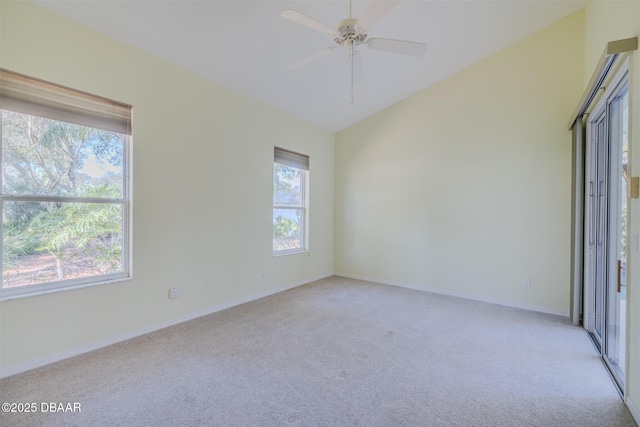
(526, 283)
(174, 293)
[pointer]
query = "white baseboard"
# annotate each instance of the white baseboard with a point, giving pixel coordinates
(456, 294)
(42, 361)
(634, 411)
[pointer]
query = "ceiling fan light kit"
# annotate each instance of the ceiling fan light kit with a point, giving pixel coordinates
(351, 33)
(347, 34)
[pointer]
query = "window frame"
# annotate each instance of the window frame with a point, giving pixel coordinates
(124, 201)
(304, 197)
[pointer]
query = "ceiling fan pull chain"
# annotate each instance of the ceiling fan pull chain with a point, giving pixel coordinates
(353, 101)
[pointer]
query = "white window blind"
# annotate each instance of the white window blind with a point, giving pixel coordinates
(290, 158)
(36, 97)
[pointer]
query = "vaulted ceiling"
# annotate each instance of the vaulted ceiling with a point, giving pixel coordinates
(247, 46)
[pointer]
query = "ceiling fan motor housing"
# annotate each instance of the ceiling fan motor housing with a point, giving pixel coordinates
(347, 34)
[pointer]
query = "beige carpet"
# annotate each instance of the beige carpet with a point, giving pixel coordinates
(336, 352)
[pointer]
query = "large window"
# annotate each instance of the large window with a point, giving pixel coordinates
(290, 201)
(65, 198)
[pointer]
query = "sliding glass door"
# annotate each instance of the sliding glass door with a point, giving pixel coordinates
(606, 225)
(614, 348)
(596, 276)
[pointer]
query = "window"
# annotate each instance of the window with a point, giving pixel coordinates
(64, 199)
(290, 201)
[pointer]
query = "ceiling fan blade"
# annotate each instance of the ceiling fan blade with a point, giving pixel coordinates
(375, 12)
(304, 61)
(397, 46)
(301, 19)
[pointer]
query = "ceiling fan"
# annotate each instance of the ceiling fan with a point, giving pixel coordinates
(351, 33)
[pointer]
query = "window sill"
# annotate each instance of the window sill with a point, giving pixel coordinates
(8, 294)
(291, 252)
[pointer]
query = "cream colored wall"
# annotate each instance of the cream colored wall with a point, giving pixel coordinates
(462, 188)
(198, 215)
(465, 187)
(606, 21)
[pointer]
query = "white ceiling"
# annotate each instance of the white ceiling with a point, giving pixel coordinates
(247, 46)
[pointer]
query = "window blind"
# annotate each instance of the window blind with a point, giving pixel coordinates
(36, 97)
(290, 158)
